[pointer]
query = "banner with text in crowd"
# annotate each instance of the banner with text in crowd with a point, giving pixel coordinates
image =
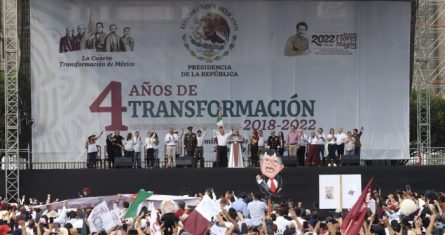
(150, 65)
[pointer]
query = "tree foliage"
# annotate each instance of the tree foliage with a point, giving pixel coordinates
(437, 119)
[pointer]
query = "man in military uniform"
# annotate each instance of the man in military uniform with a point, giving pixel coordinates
(273, 141)
(190, 142)
(297, 44)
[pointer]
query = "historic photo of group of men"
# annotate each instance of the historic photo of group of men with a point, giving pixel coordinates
(98, 40)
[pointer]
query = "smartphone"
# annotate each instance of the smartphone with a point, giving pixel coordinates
(408, 188)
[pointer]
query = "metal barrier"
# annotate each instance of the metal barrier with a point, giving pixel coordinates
(101, 164)
(437, 158)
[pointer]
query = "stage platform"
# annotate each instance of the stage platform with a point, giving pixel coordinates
(300, 183)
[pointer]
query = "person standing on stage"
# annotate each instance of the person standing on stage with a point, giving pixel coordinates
(261, 143)
(149, 156)
(321, 140)
(292, 142)
(272, 141)
(349, 144)
(281, 143)
(155, 143)
(190, 142)
(110, 150)
(358, 144)
(179, 148)
(340, 144)
(92, 150)
(301, 152)
(253, 148)
(199, 153)
(118, 144)
(137, 150)
(332, 144)
(236, 154)
(312, 153)
(221, 149)
(129, 147)
(171, 140)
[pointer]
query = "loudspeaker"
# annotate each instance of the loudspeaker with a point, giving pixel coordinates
(184, 162)
(123, 162)
(350, 160)
(290, 161)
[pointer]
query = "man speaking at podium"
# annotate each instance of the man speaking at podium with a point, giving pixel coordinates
(236, 156)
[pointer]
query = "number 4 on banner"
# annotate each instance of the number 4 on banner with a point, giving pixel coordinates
(116, 109)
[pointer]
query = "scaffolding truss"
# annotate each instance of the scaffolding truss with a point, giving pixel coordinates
(429, 66)
(12, 121)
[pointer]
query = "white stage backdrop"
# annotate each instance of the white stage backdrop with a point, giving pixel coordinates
(348, 67)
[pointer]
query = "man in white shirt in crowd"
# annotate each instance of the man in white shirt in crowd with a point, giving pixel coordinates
(321, 140)
(199, 154)
(301, 152)
(171, 141)
(340, 144)
(221, 150)
(137, 149)
(240, 204)
(256, 209)
(281, 222)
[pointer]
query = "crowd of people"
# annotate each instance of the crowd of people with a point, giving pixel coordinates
(315, 148)
(240, 213)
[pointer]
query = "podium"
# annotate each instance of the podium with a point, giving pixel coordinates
(235, 154)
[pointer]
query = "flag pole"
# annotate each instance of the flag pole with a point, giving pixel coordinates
(341, 192)
(341, 202)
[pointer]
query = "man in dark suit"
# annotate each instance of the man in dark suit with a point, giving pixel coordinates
(67, 43)
(270, 182)
(273, 141)
(97, 39)
(117, 143)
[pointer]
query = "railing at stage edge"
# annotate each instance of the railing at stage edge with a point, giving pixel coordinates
(437, 158)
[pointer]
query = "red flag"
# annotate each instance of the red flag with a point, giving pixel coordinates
(355, 217)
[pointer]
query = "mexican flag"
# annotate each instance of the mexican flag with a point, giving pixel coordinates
(198, 221)
(142, 195)
(219, 121)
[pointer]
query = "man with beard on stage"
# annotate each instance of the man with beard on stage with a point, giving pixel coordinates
(236, 154)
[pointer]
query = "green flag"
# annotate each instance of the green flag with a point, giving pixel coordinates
(219, 121)
(142, 195)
